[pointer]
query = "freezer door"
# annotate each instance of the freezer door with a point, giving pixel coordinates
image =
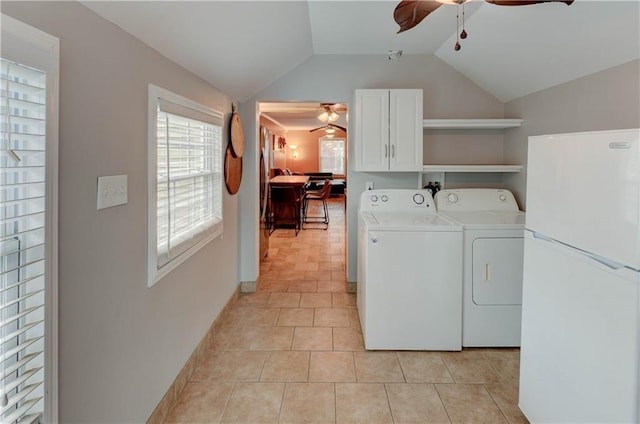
(580, 338)
(584, 189)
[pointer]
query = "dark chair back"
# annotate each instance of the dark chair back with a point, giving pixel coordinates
(326, 190)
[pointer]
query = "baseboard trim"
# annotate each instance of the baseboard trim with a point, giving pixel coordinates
(248, 286)
(175, 390)
(352, 287)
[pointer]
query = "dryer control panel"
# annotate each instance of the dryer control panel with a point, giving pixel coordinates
(396, 200)
(475, 199)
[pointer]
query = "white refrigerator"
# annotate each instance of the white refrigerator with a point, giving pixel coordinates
(580, 348)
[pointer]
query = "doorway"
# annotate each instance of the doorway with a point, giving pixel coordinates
(306, 139)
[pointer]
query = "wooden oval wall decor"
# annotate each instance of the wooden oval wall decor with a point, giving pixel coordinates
(232, 171)
(237, 135)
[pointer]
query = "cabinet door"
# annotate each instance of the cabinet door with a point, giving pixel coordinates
(372, 130)
(405, 130)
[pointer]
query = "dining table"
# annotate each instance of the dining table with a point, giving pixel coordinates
(297, 181)
(286, 193)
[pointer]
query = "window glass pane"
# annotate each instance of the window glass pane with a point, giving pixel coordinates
(331, 155)
(189, 182)
(22, 241)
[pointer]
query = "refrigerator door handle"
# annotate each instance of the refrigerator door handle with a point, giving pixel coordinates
(604, 261)
(541, 236)
(601, 260)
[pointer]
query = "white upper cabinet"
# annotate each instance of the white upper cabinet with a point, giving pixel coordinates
(388, 130)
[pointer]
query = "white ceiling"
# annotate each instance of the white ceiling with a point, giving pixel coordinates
(241, 47)
(515, 51)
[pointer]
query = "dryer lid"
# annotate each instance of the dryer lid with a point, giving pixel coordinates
(408, 221)
(487, 219)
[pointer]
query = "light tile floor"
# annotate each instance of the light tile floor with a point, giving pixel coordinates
(293, 353)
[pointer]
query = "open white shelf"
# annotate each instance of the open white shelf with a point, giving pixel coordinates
(472, 168)
(487, 124)
(469, 124)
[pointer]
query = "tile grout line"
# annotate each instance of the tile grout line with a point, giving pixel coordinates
(493, 368)
(263, 364)
(284, 389)
(404, 376)
(497, 404)
(449, 371)
(386, 392)
(226, 404)
(335, 403)
(435, 386)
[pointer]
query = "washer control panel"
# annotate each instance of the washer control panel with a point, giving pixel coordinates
(475, 199)
(396, 200)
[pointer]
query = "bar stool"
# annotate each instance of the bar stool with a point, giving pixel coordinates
(318, 195)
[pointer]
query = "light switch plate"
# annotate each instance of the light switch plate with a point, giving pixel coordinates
(112, 191)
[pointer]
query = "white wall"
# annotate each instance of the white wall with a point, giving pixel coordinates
(602, 101)
(121, 343)
(333, 78)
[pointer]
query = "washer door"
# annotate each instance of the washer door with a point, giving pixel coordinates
(497, 271)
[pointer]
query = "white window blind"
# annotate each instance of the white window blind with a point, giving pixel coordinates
(187, 180)
(331, 155)
(22, 242)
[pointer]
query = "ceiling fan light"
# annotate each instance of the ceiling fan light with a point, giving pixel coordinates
(330, 130)
(452, 1)
(329, 135)
(328, 116)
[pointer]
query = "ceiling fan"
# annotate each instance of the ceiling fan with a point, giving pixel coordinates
(409, 13)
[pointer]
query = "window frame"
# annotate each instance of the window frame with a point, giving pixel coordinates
(30, 46)
(155, 273)
(344, 155)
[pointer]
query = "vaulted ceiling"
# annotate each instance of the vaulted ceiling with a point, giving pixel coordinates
(240, 47)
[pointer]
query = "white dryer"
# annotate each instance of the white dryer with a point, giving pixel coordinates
(409, 273)
(493, 233)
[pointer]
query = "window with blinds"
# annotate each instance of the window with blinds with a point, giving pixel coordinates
(331, 155)
(186, 174)
(22, 242)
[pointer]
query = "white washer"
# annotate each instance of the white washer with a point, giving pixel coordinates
(493, 256)
(409, 273)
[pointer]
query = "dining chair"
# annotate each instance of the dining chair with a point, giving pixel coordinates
(316, 195)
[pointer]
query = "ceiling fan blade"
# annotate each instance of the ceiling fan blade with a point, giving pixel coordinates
(409, 13)
(526, 2)
(319, 128)
(340, 127)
